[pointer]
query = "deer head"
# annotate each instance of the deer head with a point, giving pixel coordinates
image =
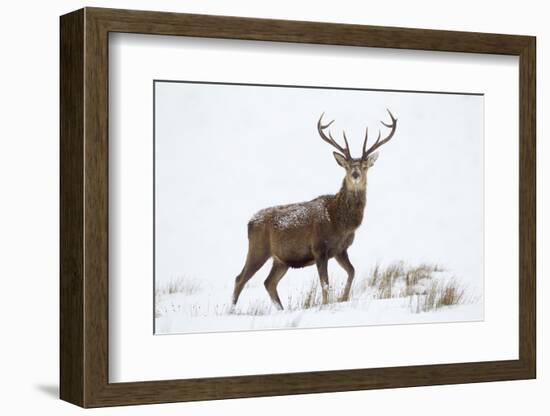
(356, 168)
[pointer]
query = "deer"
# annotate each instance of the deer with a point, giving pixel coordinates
(313, 232)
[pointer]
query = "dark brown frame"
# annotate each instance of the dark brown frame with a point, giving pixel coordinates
(84, 211)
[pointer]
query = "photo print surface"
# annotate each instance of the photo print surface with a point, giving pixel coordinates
(280, 207)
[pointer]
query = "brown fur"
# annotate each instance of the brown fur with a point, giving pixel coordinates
(303, 234)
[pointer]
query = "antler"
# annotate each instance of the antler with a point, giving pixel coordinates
(379, 142)
(330, 140)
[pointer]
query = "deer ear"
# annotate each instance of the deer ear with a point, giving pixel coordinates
(340, 159)
(371, 159)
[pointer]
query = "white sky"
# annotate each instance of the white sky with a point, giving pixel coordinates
(223, 152)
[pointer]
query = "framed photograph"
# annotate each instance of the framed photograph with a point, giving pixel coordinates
(255, 207)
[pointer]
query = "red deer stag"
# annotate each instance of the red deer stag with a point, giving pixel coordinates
(312, 232)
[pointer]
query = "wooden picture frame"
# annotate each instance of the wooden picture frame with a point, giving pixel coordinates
(84, 207)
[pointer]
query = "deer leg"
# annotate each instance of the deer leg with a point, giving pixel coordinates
(343, 261)
(322, 267)
(252, 265)
(275, 275)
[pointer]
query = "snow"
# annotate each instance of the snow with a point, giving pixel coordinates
(294, 215)
(209, 309)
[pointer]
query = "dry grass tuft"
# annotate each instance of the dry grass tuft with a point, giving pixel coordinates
(257, 308)
(450, 293)
(440, 294)
(183, 285)
(308, 299)
(418, 283)
(180, 285)
(382, 280)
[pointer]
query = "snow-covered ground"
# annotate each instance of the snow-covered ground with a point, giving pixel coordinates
(192, 306)
(425, 201)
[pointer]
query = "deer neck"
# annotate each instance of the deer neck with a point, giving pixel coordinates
(350, 206)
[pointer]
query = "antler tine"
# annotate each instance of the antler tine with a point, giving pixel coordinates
(329, 139)
(347, 145)
(393, 119)
(379, 142)
(326, 125)
(365, 141)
